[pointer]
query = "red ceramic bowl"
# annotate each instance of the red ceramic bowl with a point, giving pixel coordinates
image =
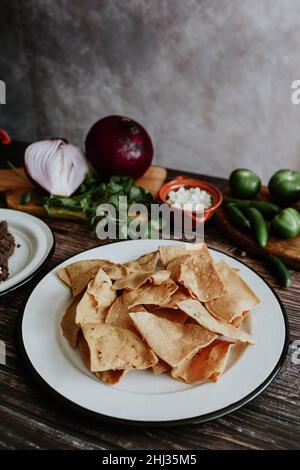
(186, 182)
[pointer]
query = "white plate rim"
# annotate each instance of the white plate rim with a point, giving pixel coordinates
(62, 400)
(40, 267)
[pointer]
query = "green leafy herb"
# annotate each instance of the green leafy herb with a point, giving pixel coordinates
(93, 192)
(26, 198)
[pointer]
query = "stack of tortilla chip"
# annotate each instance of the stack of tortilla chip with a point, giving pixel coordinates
(171, 311)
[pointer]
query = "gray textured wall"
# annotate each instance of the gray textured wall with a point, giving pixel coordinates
(210, 79)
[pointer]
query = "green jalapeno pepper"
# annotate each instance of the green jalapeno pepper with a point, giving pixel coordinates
(237, 218)
(280, 271)
(258, 225)
(268, 209)
(237, 202)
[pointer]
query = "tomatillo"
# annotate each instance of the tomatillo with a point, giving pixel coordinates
(287, 223)
(244, 183)
(284, 186)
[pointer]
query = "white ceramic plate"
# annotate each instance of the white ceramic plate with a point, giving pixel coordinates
(141, 397)
(35, 243)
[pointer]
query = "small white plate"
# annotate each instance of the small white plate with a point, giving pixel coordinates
(142, 398)
(34, 246)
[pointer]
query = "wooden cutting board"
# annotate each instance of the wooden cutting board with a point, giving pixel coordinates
(287, 250)
(15, 183)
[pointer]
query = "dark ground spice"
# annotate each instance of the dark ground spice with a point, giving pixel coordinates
(7, 248)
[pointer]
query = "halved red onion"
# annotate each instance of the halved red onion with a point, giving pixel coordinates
(56, 166)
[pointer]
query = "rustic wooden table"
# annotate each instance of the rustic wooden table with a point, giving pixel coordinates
(31, 419)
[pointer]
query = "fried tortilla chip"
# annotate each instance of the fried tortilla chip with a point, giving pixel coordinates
(146, 263)
(64, 276)
(101, 289)
(237, 321)
(132, 267)
(180, 295)
(239, 296)
(137, 279)
(149, 261)
(118, 314)
(171, 341)
(116, 348)
(159, 277)
(198, 274)
(150, 294)
(115, 271)
(169, 313)
(174, 267)
(160, 367)
(69, 328)
(81, 272)
(208, 364)
(199, 313)
(87, 310)
(110, 377)
(84, 350)
(170, 252)
(132, 281)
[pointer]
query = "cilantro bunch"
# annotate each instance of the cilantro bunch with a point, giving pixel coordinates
(91, 193)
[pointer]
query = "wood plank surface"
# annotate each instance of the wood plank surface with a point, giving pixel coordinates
(31, 419)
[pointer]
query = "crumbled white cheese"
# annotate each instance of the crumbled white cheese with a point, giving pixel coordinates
(192, 199)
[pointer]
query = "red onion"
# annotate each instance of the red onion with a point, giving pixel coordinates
(117, 145)
(56, 166)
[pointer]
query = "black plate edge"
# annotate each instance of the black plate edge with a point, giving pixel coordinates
(39, 268)
(132, 423)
